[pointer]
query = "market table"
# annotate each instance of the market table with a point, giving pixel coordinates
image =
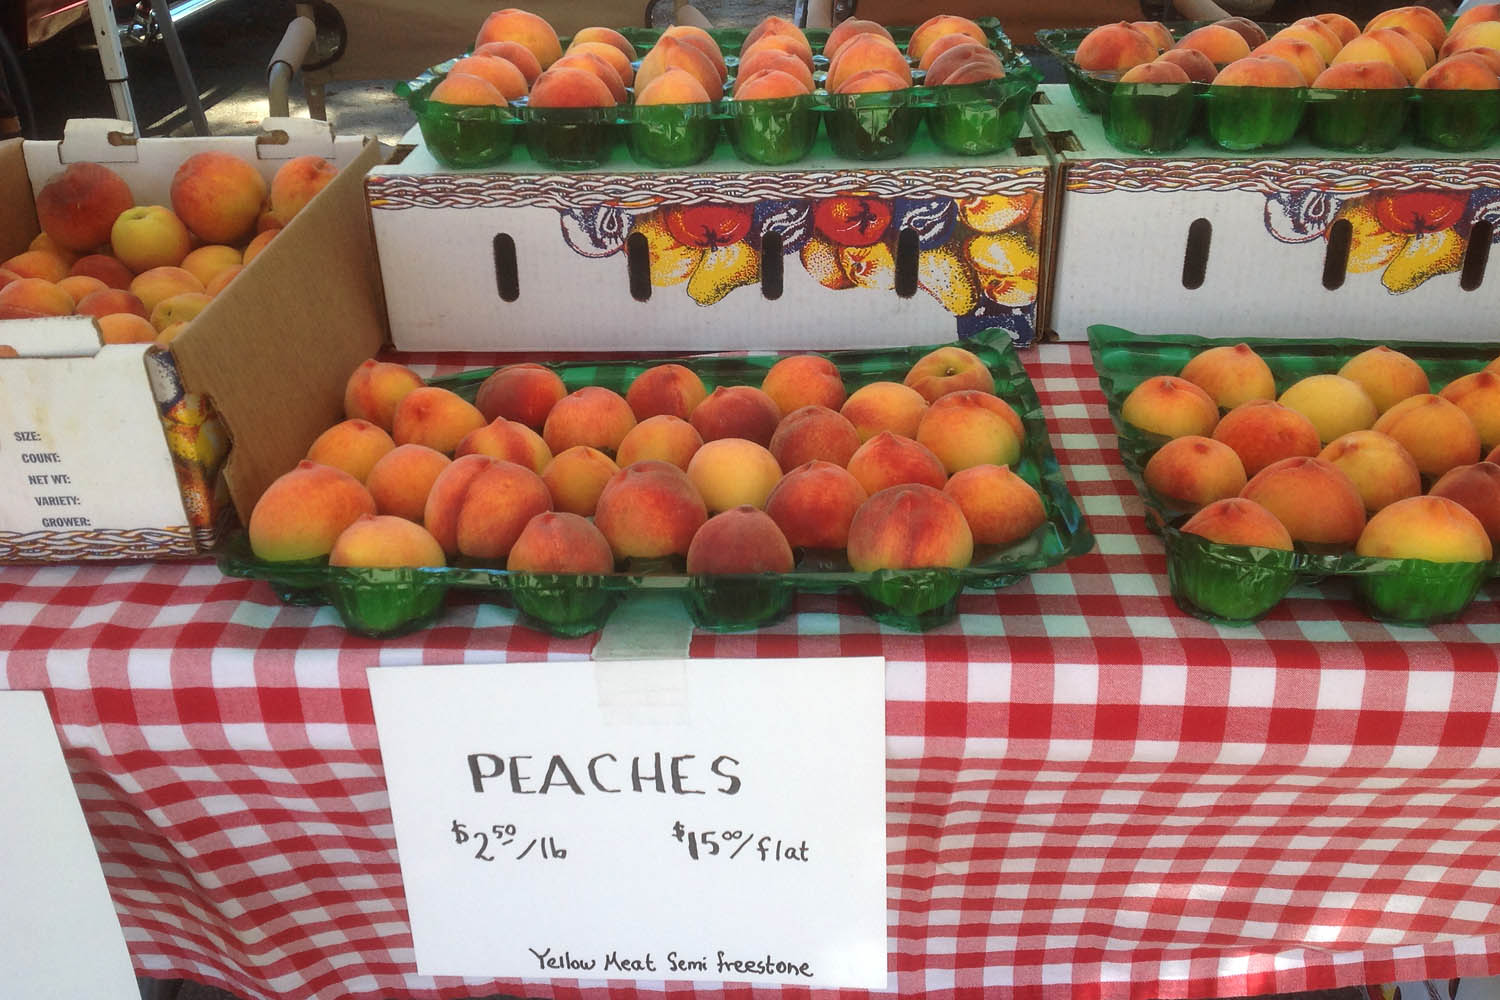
(1089, 793)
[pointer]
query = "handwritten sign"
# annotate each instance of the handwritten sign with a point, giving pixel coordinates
(59, 936)
(707, 820)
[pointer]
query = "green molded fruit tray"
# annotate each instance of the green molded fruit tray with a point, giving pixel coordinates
(966, 119)
(1160, 118)
(1237, 585)
(380, 602)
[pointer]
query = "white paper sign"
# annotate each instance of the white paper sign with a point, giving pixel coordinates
(59, 936)
(707, 820)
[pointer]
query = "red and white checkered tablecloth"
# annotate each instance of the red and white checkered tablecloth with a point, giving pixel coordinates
(1090, 794)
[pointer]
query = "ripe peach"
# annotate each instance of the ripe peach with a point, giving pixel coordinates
(125, 328)
(1194, 471)
(1231, 374)
(1438, 434)
(1460, 72)
(436, 417)
(999, 505)
(531, 30)
(1474, 15)
(1262, 432)
(81, 286)
(1478, 395)
(218, 196)
(742, 539)
(516, 54)
(765, 59)
(258, 244)
(148, 236)
(935, 27)
(352, 445)
(774, 27)
(1335, 405)
(445, 498)
(560, 542)
(576, 477)
(385, 542)
(1433, 528)
(1420, 20)
(524, 392)
(303, 512)
(1222, 44)
(1260, 71)
(1298, 52)
(648, 510)
(169, 333)
(1386, 375)
(888, 459)
(1316, 501)
(570, 87)
(948, 369)
(1323, 37)
(1481, 34)
(1369, 75)
(608, 36)
(78, 206)
(945, 66)
(1170, 406)
(1384, 45)
(401, 479)
(672, 86)
(971, 71)
(205, 262)
(674, 53)
(1159, 33)
(1155, 72)
(44, 264)
(884, 406)
(593, 64)
(221, 280)
(298, 180)
(741, 411)
(486, 516)
(618, 60)
(971, 427)
(1490, 56)
(769, 85)
(105, 267)
(1252, 33)
(911, 526)
(158, 284)
(729, 472)
(811, 433)
(666, 388)
(375, 388)
(1381, 469)
(804, 380)
(1340, 25)
(1237, 521)
(814, 503)
(508, 440)
(703, 41)
(592, 415)
(29, 298)
(1199, 68)
(663, 437)
(178, 309)
(1477, 489)
(847, 29)
(475, 91)
(864, 52)
(41, 241)
(1117, 46)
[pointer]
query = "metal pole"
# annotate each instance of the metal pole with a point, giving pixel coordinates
(190, 102)
(112, 60)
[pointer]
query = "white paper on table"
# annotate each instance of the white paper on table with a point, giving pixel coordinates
(59, 936)
(557, 878)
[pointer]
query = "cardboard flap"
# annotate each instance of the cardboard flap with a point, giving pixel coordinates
(273, 352)
(97, 140)
(17, 211)
(52, 337)
(285, 138)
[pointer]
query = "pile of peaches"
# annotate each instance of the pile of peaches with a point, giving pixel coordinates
(142, 272)
(1366, 460)
(797, 471)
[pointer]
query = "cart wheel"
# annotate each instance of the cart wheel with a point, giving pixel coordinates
(331, 37)
(659, 13)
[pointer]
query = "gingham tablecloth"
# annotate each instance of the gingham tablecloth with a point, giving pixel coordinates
(1090, 794)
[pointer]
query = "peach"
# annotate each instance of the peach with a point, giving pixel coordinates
(1340, 25)
(911, 526)
(1310, 29)
(935, 27)
(385, 542)
(973, 71)
(592, 415)
(516, 54)
(569, 87)
(1481, 35)
(1335, 405)
(258, 244)
(1429, 54)
(884, 406)
(847, 29)
(1381, 469)
(948, 369)
(804, 380)
(1155, 72)
(437, 417)
(703, 42)
(1386, 375)
(169, 333)
(952, 59)
(508, 440)
(148, 236)
(576, 477)
(740, 411)
(475, 91)
(298, 181)
(1236, 521)
(674, 53)
(1384, 45)
(1490, 56)
(1460, 72)
(105, 267)
(1262, 432)
(375, 388)
(352, 445)
(999, 505)
(672, 86)
(1170, 406)
(560, 542)
(971, 427)
(1433, 528)
(1158, 32)
(872, 81)
(1222, 44)
(158, 284)
(769, 84)
(1369, 75)
(944, 44)
(303, 512)
(479, 514)
(218, 196)
(866, 52)
(742, 539)
(1298, 52)
(1231, 374)
(814, 503)
(1113, 47)
(618, 60)
(524, 392)
(41, 241)
(609, 36)
(1194, 471)
(662, 437)
(179, 308)
(665, 388)
(445, 498)
(1423, 22)
(1252, 33)
(773, 28)
(1260, 71)
(730, 472)
(401, 479)
(888, 460)
(6, 277)
(765, 59)
(1199, 68)
(29, 298)
(205, 262)
(44, 264)
(125, 328)
(1438, 434)
(593, 64)
(1474, 15)
(81, 286)
(1313, 498)
(1477, 489)
(1478, 395)
(221, 280)
(811, 433)
(78, 206)
(531, 30)
(648, 510)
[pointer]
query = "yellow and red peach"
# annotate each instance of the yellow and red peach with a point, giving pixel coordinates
(814, 503)
(811, 433)
(648, 510)
(742, 539)
(1260, 71)
(1155, 72)
(445, 499)
(570, 87)
(1170, 407)
(1158, 32)
(258, 244)
(741, 411)
(1460, 72)
(1252, 33)
(560, 542)
(1231, 374)
(1438, 434)
(29, 298)
(1381, 469)
(1236, 521)
(303, 512)
(529, 29)
(576, 477)
(1387, 45)
(1340, 25)
(44, 264)
(935, 27)
(1335, 405)
(401, 479)
(77, 207)
(971, 427)
(591, 63)
(1478, 395)
(847, 29)
(1298, 52)
(81, 286)
(1263, 432)
(1386, 375)
(973, 71)
(703, 41)
(105, 267)
(516, 54)
(1480, 35)
(592, 415)
(298, 181)
(1194, 471)
(866, 52)
(148, 236)
(1433, 528)
(730, 472)
(125, 328)
(889, 459)
(804, 380)
(674, 53)
(1222, 44)
(1198, 67)
(948, 369)
(1474, 15)
(179, 309)
(206, 262)
(884, 406)
(375, 388)
(1313, 498)
(109, 301)
(672, 86)
(618, 60)
(769, 85)
(1114, 47)
(524, 392)
(911, 526)
(218, 196)
(662, 437)
(509, 441)
(1423, 22)
(469, 90)
(1477, 489)
(1322, 36)
(609, 36)
(486, 516)
(385, 542)
(999, 505)
(158, 284)
(437, 417)
(774, 27)
(665, 388)
(946, 65)
(762, 60)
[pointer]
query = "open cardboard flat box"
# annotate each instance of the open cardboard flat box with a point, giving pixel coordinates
(117, 451)
(1295, 242)
(822, 253)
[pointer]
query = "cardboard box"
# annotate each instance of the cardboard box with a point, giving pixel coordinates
(1297, 242)
(823, 253)
(119, 451)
